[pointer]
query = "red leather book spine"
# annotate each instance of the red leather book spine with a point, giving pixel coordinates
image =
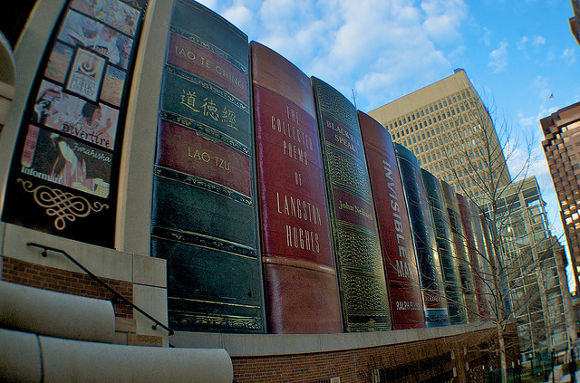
(399, 258)
(299, 270)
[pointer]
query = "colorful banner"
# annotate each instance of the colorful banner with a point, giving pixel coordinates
(64, 174)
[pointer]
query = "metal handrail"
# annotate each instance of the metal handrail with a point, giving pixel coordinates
(117, 294)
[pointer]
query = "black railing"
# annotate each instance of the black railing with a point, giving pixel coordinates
(46, 249)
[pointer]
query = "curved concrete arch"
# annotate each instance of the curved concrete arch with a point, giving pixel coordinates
(7, 63)
(56, 314)
(26, 357)
(7, 78)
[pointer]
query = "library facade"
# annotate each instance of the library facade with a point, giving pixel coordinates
(166, 183)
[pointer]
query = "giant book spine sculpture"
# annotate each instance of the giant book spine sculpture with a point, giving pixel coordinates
(204, 220)
(484, 258)
(460, 248)
(449, 264)
(435, 305)
(299, 269)
(399, 257)
(361, 275)
(468, 222)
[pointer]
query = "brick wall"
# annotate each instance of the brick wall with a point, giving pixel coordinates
(424, 361)
(50, 278)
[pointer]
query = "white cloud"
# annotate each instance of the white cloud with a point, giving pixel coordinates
(522, 44)
(239, 15)
(541, 83)
(373, 45)
(386, 43)
(526, 121)
(443, 19)
(498, 58)
(297, 30)
(569, 55)
(486, 36)
(539, 41)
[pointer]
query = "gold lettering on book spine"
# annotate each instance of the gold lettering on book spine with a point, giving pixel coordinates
(64, 206)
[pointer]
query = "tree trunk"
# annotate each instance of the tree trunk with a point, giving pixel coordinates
(502, 353)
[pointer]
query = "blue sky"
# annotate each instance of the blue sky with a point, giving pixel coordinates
(516, 52)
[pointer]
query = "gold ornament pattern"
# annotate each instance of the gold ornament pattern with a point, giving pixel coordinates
(65, 206)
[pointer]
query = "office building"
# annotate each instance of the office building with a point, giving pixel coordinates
(575, 20)
(449, 129)
(534, 262)
(562, 149)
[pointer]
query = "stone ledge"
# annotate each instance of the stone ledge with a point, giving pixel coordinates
(240, 345)
(145, 340)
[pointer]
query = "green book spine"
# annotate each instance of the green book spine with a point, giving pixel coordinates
(447, 256)
(434, 301)
(204, 220)
(359, 262)
(460, 248)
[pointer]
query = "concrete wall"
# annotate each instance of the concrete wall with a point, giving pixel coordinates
(141, 279)
(26, 357)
